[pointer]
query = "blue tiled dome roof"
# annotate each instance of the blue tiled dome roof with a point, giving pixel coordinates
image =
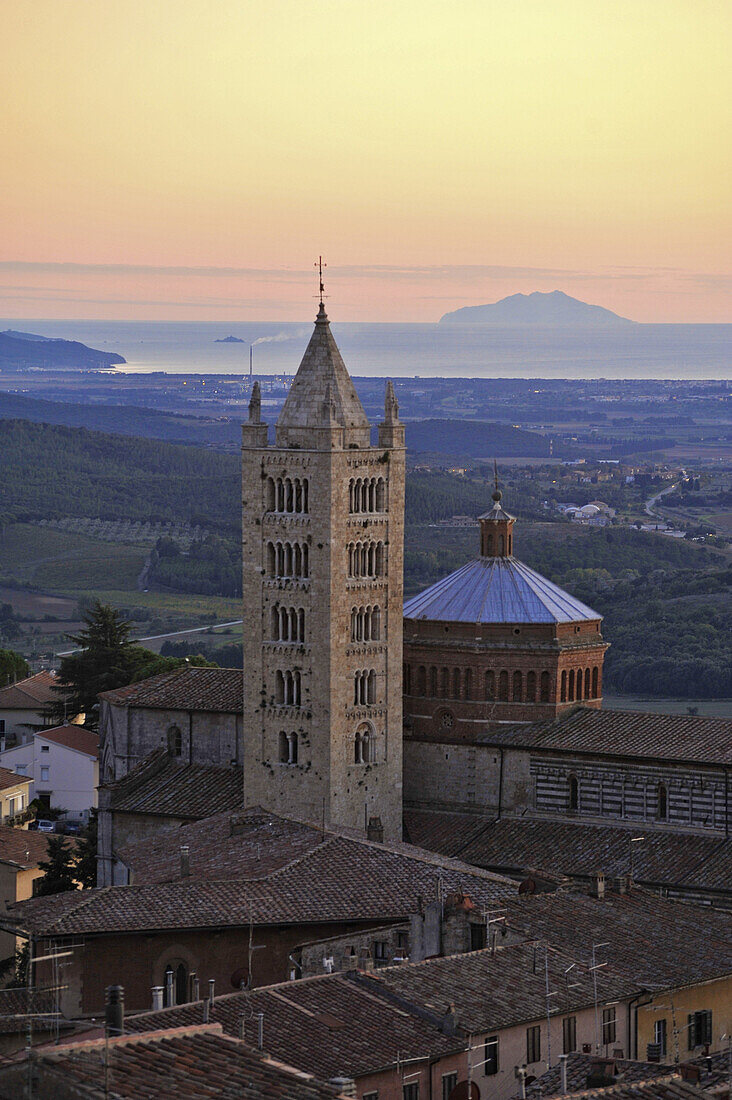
(497, 590)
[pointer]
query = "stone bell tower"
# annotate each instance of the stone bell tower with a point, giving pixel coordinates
(323, 543)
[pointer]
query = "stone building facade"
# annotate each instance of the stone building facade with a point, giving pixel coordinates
(323, 536)
(496, 642)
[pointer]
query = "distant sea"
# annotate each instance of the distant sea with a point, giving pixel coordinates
(450, 350)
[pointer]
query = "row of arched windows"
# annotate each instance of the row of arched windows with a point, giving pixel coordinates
(289, 747)
(367, 494)
(366, 624)
(287, 559)
(366, 559)
(287, 494)
(457, 683)
(579, 684)
(287, 624)
(364, 687)
(288, 688)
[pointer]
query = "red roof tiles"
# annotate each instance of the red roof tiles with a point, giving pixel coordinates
(10, 778)
(34, 693)
(186, 688)
(73, 737)
(161, 785)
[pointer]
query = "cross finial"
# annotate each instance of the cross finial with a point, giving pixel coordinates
(495, 473)
(321, 286)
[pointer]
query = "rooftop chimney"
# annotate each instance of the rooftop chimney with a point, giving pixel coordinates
(346, 1085)
(157, 998)
(114, 1010)
(449, 1021)
(563, 1073)
(211, 989)
(597, 888)
(375, 830)
(185, 861)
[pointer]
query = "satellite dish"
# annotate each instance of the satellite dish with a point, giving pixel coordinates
(465, 1090)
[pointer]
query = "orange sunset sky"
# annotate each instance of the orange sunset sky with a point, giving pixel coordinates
(175, 159)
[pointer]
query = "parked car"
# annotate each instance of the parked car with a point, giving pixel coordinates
(43, 826)
(69, 828)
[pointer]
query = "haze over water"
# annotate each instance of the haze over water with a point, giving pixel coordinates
(430, 350)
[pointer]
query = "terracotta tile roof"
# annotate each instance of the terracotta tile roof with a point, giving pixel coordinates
(513, 846)
(306, 1023)
(23, 848)
(186, 688)
(626, 733)
(186, 1064)
(340, 879)
(9, 778)
(714, 1069)
(658, 943)
(15, 1004)
(161, 785)
(250, 845)
(34, 693)
(494, 990)
(73, 737)
(658, 1088)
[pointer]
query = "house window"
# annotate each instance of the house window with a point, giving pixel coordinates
(449, 1082)
(569, 1034)
(45, 775)
(700, 1029)
(370, 1096)
(490, 1054)
(45, 748)
(533, 1044)
(11, 807)
(477, 937)
(609, 1028)
(175, 741)
(288, 748)
(410, 1091)
(381, 952)
(20, 769)
(2, 725)
(660, 1036)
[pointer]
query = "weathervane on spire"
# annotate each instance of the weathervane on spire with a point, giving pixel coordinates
(320, 265)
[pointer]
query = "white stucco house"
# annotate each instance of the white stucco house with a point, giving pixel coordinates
(63, 764)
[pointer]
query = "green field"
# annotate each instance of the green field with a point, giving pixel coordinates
(65, 562)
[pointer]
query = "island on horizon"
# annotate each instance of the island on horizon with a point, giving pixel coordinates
(552, 308)
(229, 340)
(27, 350)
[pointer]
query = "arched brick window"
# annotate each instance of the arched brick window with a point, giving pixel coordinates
(456, 683)
(587, 684)
(468, 680)
(563, 694)
(490, 685)
(503, 686)
(545, 687)
(595, 679)
(517, 693)
(530, 687)
(573, 793)
(570, 686)
(433, 682)
(578, 693)
(445, 683)
(421, 680)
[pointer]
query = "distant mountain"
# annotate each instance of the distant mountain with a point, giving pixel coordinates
(229, 340)
(22, 350)
(555, 308)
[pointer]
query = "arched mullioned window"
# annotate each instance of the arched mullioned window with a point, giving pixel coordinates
(545, 689)
(503, 686)
(288, 688)
(578, 687)
(563, 692)
(530, 687)
(289, 747)
(287, 624)
(573, 793)
(287, 559)
(570, 685)
(587, 684)
(285, 494)
(595, 682)
(364, 746)
(490, 685)
(365, 559)
(367, 494)
(366, 624)
(517, 687)
(364, 687)
(175, 985)
(662, 802)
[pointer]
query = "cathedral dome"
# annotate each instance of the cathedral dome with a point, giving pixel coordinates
(497, 590)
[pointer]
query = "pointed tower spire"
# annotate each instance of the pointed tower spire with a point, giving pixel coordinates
(255, 405)
(391, 429)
